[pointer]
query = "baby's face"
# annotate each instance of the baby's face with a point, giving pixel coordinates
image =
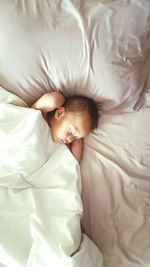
(68, 126)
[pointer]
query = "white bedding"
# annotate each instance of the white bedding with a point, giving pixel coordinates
(101, 49)
(98, 48)
(116, 198)
(40, 204)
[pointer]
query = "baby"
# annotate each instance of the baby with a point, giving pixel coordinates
(70, 119)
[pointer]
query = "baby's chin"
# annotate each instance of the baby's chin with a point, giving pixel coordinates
(57, 140)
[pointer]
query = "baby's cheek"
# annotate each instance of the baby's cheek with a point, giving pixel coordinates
(62, 135)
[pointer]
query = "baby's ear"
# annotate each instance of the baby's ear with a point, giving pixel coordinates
(60, 112)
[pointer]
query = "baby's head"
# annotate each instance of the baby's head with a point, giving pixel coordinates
(74, 120)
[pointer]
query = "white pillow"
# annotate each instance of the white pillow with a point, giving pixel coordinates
(95, 48)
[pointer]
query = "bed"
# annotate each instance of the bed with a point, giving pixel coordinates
(53, 211)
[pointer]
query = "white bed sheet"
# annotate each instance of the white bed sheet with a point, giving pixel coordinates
(40, 204)
(97, 48)
(116, 198)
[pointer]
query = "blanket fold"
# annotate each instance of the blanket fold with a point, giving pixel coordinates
(40, 186)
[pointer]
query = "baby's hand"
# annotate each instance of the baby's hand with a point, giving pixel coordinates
(76, 148)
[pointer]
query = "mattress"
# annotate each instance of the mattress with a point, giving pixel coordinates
(99, 49)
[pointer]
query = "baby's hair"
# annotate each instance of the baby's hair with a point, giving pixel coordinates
(81, 103)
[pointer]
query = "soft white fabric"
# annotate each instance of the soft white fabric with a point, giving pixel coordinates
(95, 48)
(116, 188)
(144, 99)
(98, 48)
(40, 204)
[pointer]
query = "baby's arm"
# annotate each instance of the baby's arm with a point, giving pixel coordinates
(76, 148)
(49, 102)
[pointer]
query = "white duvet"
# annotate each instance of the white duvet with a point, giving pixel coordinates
(40, 204)
(100, 49)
